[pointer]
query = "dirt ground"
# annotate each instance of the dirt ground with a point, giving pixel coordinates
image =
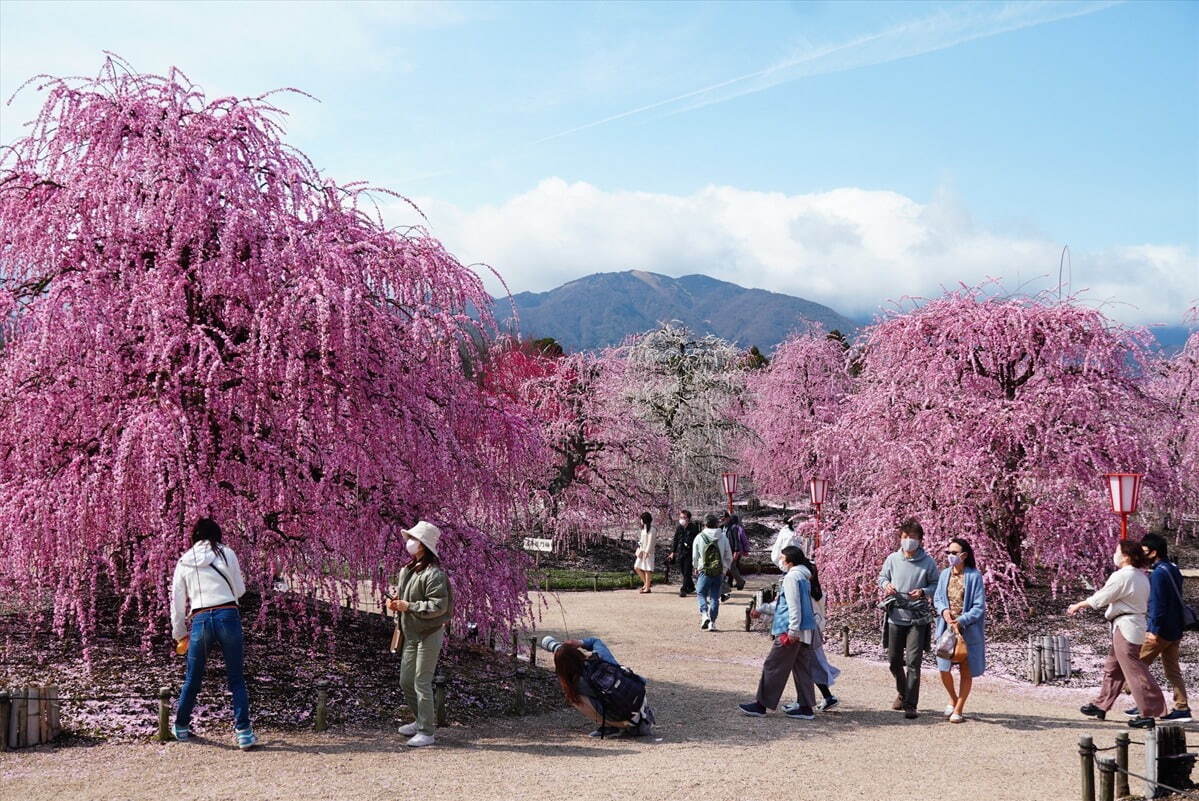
(1018, 743)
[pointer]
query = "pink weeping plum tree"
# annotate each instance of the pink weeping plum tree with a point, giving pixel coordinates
(991, 418)
(197, 322)
(603, 461)
(797, 395)
(1176, 385)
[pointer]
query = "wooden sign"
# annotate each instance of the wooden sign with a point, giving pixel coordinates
(538, 545)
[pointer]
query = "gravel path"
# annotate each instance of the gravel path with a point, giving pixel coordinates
(1019, 743)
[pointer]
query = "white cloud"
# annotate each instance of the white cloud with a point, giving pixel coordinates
(852, 249)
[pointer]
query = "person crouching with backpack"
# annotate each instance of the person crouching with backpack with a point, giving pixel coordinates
(712, 557)
(600, 688)
(793, 652)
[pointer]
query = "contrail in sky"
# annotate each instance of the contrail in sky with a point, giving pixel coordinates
(944, 29)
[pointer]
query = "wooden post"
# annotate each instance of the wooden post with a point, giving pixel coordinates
(595, 582)
(749, 621)
(1107, 775)
(321, 716)
(666, 573)
(547, 581)
(16, 721)
(33, 721)
(1086, 753)
(5, 713)
(845, 640)
(532, 652)
(1122, 740)
(1150, 774)
(439, 683)
(164, 714)
(52, 716)
(519, 702)
(491, 640)
(43, 717)
(515, 644)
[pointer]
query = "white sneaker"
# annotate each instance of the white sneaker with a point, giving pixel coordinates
(711, 625)
(420, 741)
(948, 710)
(956, 718)
(409, 729)
(704, 623)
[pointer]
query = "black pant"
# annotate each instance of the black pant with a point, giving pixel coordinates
(688, 583)
(905, 647)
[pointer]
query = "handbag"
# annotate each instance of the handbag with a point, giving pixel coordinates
(1190, 619)
(947, 643)
(960, 652)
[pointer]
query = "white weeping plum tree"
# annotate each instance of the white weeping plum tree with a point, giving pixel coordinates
(690, 388)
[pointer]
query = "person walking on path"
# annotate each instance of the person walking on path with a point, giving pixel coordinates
(208, 579)
(908, 580)
(789, 535)
(739, 544)
(1126, 595)
(425, 602)
(711, 556)
(680, 550)
(1163, 624)
(961, 603)
(644, 563)
(824, 675)
(792, 654)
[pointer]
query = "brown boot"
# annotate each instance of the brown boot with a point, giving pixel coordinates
(897, 704)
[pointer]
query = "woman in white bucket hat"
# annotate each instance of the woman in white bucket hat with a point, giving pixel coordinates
(425, 602)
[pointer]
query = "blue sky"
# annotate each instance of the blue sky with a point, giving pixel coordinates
(846, 152)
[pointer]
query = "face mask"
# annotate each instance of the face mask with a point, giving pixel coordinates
(682, 521)
(955, 559)
(1118, 559)
(909, 544)
(412, 546)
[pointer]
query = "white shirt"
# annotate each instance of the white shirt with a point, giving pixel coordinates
(203, 579)
(1126, 595)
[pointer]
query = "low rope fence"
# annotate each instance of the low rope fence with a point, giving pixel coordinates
(1167, 769)
(29, 715)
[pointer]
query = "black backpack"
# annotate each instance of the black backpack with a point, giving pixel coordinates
(619, 692)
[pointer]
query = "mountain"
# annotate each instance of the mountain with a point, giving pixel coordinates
(602, 309)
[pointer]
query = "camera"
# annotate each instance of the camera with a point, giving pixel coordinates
(550, 644)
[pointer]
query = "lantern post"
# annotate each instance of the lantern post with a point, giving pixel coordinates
(817, 489)
(729, 480)
(1125, 490)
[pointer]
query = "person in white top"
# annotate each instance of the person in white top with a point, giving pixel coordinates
(208, 580)
(1126, 595)
(644, 563)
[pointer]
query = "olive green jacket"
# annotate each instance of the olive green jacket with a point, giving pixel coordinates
(430, 599)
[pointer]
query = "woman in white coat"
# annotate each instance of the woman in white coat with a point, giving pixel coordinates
(644, 563)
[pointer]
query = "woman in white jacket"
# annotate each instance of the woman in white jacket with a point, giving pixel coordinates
(644, 563)
(1126, 596)
(208, 580)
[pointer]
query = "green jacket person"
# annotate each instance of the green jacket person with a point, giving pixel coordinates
(425, 602)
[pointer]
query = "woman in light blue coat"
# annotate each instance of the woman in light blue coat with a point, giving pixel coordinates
(960, 602)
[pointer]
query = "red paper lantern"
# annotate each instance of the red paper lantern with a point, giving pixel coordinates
(1125, 490)
(730, 483)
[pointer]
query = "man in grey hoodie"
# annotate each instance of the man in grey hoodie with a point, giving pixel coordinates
(911, 575)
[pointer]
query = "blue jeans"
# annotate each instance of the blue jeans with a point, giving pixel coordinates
(224, 627)
(596, 646)
(707, 590)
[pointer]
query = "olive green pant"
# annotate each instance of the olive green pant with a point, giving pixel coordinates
(418, 663)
